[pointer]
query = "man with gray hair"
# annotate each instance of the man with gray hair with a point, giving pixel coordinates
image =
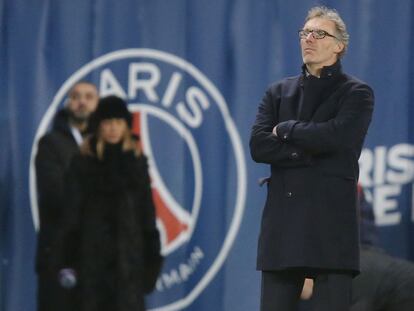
(310, 129)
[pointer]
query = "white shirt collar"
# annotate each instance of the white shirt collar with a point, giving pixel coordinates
(76, 135)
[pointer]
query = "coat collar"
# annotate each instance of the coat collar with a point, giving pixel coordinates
(327, 71)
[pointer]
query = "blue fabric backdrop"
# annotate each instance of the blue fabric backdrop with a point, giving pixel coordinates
(224, 54)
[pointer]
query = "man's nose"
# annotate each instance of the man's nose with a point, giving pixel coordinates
(82, 102)
(310, 37)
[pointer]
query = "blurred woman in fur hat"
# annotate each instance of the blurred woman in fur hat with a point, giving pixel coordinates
(109, 237)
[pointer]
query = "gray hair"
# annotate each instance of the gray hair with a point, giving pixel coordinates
(332, 15)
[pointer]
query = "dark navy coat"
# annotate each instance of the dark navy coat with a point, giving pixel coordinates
(310, 218)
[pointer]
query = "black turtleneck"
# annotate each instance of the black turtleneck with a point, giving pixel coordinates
(316, 90)
(112, 153)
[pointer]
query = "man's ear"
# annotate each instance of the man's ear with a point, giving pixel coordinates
(339, 47)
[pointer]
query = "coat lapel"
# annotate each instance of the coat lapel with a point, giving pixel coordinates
(290, 101)
(329, 106)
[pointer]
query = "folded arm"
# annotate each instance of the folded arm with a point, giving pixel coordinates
(266, 147)
(346, 130)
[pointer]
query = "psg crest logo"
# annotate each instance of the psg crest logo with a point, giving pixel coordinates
(196, 162)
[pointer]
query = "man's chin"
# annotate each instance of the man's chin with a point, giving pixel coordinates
(307, 60)
(78, 118)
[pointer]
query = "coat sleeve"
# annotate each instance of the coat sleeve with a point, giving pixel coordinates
(265, 147)
(50, 176)
(346, 130)
(152, 246)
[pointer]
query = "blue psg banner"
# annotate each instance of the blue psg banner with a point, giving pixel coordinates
(193, 73)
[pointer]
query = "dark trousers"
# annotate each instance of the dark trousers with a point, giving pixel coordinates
(281, 291)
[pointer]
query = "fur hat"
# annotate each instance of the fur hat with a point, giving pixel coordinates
(110, 107)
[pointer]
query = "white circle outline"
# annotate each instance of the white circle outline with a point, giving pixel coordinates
(231, 129)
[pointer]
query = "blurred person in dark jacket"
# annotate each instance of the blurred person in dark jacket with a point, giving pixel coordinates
(386, 283)
(109, 235)
(55, 151)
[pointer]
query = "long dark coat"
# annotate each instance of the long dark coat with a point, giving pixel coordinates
(310, 218)
(55, 151)
(109, 235)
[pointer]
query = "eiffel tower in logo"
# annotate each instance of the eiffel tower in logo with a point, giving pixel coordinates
(173, 221)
